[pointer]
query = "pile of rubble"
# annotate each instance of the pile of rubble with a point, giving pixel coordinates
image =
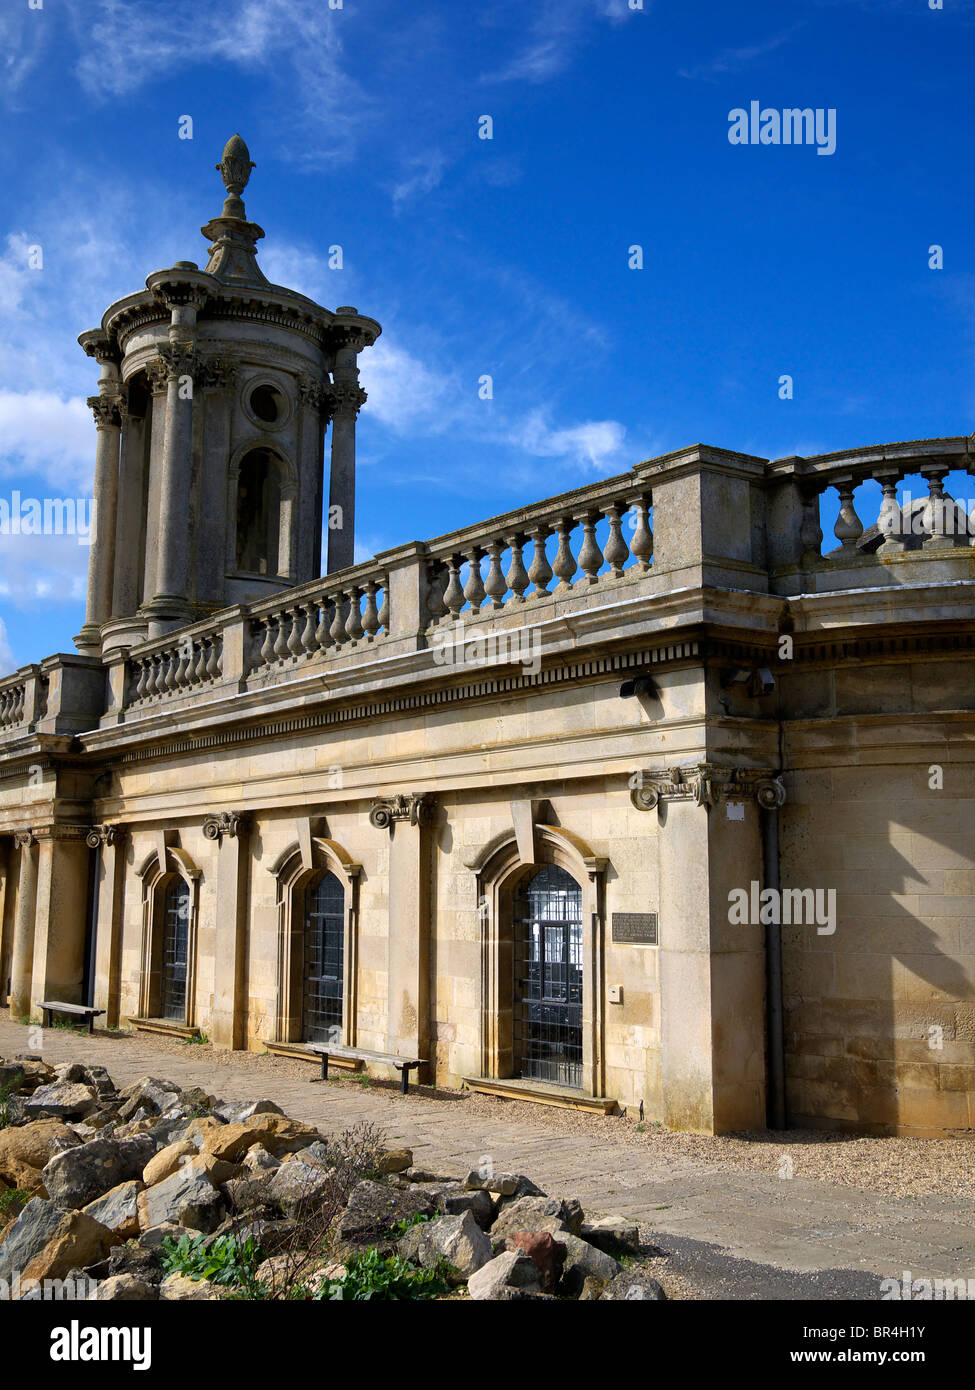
(110, 1174)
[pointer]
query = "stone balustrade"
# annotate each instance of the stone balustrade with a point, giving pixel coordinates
(13, 693)
(504, 563)
(23, 701)
(317, 621)
(174, 668)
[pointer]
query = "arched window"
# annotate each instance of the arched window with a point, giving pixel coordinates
(548, 975)
(324, 961)
(259, 514)
(175, 949)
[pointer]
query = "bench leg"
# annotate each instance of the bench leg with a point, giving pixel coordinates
(405, 1083)
(324, 1066)
(91, 1024)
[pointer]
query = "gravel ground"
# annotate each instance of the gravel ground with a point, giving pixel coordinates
(897, 1167)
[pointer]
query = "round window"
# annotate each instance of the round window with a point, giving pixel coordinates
(267, 404)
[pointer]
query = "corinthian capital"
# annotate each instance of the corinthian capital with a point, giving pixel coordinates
(313, 393)
(706, 784)
(179, 360)
(107, 410)
(346, 398)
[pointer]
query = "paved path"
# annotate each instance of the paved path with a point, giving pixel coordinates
(799, 1238)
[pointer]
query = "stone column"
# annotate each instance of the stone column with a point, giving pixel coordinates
(108, 407)
(61, 921)
(313, 400)
(108, 840)
(159, 383)
(346, 398)
(228, 1026)
(712, 976)
(129, 520)
(23, 952)
(407, 819)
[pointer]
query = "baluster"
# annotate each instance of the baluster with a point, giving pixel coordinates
(849, 527)
(214, 657)
(590, 556)
(384, 606)
(20, 695)
(323, 638)
(474, 590)
(337, 628)
(184, 666)
(496, 586)
(294, 631)
(281, 640)
(940, 514)
(454, 594)
(172, 662)
(564, 564)
(5, 704)
(370, 618)
(150, 676)
(889, 520)
(267, 646)
(641, 542)
(617, 551)
(140, 686)
(353, 623)
(517, 575)
(540, 571)
(198, 658)
(436, 585)
(308, 642)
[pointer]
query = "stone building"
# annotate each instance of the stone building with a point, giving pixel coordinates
(488, 800)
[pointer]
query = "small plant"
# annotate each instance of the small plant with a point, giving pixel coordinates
(226, 1260)
(641, 1129)
(374, 1276)
(361, 1078)
(417, 1219)
(12, 1203)
(64, 1025)
(198, 1040)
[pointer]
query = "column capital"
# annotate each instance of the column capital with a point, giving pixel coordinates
(104, 835)
(706, 784)
(24, 839)
(228, 823)
(108, 411)
(414, 807)
(346, 398)
(314, 393)
(98, 345)
(180, 359)
(220, 372)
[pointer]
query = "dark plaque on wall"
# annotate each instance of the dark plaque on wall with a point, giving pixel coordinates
(635, 928)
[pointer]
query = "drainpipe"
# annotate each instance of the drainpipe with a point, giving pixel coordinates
(776, 1115)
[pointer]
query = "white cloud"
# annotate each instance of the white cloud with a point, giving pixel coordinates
(594, 444)
(555, 35)
(735, 59)
(48, 437)
(424, 173)
(405, 395)
(6, 651)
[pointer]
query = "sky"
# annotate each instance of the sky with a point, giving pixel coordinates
(508, 257)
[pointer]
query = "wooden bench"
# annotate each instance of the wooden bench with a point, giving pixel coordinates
(85, 1011)
(404, 1065)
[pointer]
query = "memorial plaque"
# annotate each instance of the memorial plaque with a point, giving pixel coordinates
(635, 928)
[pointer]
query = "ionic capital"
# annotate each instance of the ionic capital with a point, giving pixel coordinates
(414, 807)
(104, 835)
(706, 784)
(223, 823)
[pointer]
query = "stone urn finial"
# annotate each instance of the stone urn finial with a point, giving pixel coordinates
(235, 170)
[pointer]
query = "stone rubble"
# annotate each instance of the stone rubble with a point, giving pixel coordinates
(111, 1174)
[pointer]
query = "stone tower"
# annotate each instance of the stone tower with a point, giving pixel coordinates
(214, 397)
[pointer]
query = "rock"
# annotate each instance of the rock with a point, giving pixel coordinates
(118, 1210)
(373, 1210)
(248, 1194)
(26, 1149)
(258, 1160)
(79, 1175)
(27, 1235)
(583, 1261)
(453, 1199)
(504, 1184)
(151, 1240)
(613, 1235)
(163, 1164)
(179, 1288)
(65, 1100)
(131, 1259)
(236, 1111)
(199, 1127)
(276, 1133)
(509, 1271)
(185, 1198)
(297, 1188)
(546, 1253)
(124, 1288)
(270, 1233)
(76, 1242)
(151, 1095)
(395, 1161)
(531, 1214)
(634, 1285)
(457, 1239)
(421, 1175)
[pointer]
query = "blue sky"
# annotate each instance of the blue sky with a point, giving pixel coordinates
(505, 257)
